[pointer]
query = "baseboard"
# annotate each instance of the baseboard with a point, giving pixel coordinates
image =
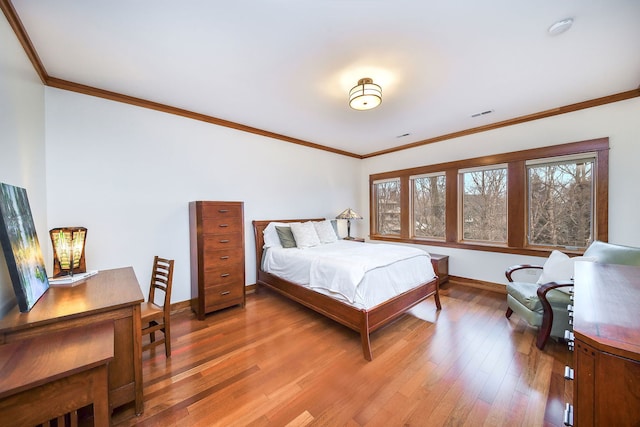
(479, 284)
(180, 306)
(186, 305)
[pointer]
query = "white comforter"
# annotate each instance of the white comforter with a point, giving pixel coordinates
(363, 274)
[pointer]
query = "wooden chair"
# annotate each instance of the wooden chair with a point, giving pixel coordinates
(156, 318)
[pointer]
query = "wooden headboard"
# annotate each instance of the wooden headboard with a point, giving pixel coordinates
(258, 228)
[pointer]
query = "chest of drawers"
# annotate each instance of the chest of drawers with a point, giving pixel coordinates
(606, 362)
(217, 255)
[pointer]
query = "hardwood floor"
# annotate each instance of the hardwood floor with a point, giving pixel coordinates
(276, 363)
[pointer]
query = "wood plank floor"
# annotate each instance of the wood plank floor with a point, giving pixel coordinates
(276, 363)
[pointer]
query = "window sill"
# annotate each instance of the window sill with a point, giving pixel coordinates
(539, 252)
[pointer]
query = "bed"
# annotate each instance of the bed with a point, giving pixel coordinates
(361, 318)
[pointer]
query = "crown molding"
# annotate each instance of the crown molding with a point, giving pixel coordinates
(517, 120)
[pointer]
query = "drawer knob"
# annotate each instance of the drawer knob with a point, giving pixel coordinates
(225, 293)
(224, 257)
(223, 225)
(223, 210)
(568, 335)
(568, 373)
(224, 241)
(225, 275)
(568, 415)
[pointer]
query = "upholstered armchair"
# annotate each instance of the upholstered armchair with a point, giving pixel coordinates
(532, 300)
(544, 304)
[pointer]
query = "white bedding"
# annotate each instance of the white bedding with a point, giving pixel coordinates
(362, 274)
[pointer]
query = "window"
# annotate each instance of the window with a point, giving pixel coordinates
(484, 204)
(387, 199)
(429, 206)
(527, 202)
(560, 202)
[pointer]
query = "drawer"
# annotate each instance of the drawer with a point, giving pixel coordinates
(221, 241)
(223, 295)
(232, 273)
(221, 210)
(222, 257)
(221, 225)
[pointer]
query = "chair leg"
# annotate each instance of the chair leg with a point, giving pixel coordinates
(545, 329)
(508, 313)
(152, 335)
(167, 339)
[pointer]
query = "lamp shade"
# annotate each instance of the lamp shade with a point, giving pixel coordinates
(349, 214)
(365, 95)
(68, 250)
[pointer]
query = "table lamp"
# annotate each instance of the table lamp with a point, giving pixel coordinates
(68, 250)
(348, 214)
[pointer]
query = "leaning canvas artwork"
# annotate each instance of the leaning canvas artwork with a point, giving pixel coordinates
(21, 248)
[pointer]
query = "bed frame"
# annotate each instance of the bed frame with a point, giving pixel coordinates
(360, 320)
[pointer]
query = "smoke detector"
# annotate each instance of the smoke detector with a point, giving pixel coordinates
(560, 27)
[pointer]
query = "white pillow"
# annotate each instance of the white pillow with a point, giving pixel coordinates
(559, 267)
(271, 238)
(325, 232)
(305, 234)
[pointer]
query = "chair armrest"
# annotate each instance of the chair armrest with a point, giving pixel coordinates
(545, 288)
(547, 311)
(509, 271)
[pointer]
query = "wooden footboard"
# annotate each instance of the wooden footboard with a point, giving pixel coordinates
(360, 320)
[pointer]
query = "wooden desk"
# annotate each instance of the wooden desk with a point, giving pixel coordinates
(606, 328)
(111, 295)
(50, 376)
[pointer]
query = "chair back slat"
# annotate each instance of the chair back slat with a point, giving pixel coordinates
(161, 279)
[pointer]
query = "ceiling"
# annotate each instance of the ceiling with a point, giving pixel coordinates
(286, 66)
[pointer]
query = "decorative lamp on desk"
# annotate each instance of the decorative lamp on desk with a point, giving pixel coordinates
(348, 214)
(68, 250)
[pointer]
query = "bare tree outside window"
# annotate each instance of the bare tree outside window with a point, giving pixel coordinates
(429, 206)
(526, 202)
(387, 200)
(484, 205)
(560, 197)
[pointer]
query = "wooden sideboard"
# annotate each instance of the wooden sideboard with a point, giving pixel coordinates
(606, 362)
(112, 296)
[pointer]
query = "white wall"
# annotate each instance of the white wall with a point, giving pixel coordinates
(619, 121)
(128, 173)
(22, 159)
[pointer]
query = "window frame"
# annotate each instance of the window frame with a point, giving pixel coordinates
(374, 201)
(590, 156)
(461, 216)
(517, 210)
(412, 213)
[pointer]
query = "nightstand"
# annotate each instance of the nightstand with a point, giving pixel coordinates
(355, 239)
(441, 267)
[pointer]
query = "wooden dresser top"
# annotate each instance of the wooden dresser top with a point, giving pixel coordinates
(106, 291)
(607, 307)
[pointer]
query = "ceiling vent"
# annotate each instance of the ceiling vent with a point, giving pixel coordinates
(482, 113)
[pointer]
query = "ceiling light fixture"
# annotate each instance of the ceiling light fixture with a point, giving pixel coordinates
(365, 95)
(560, 26)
